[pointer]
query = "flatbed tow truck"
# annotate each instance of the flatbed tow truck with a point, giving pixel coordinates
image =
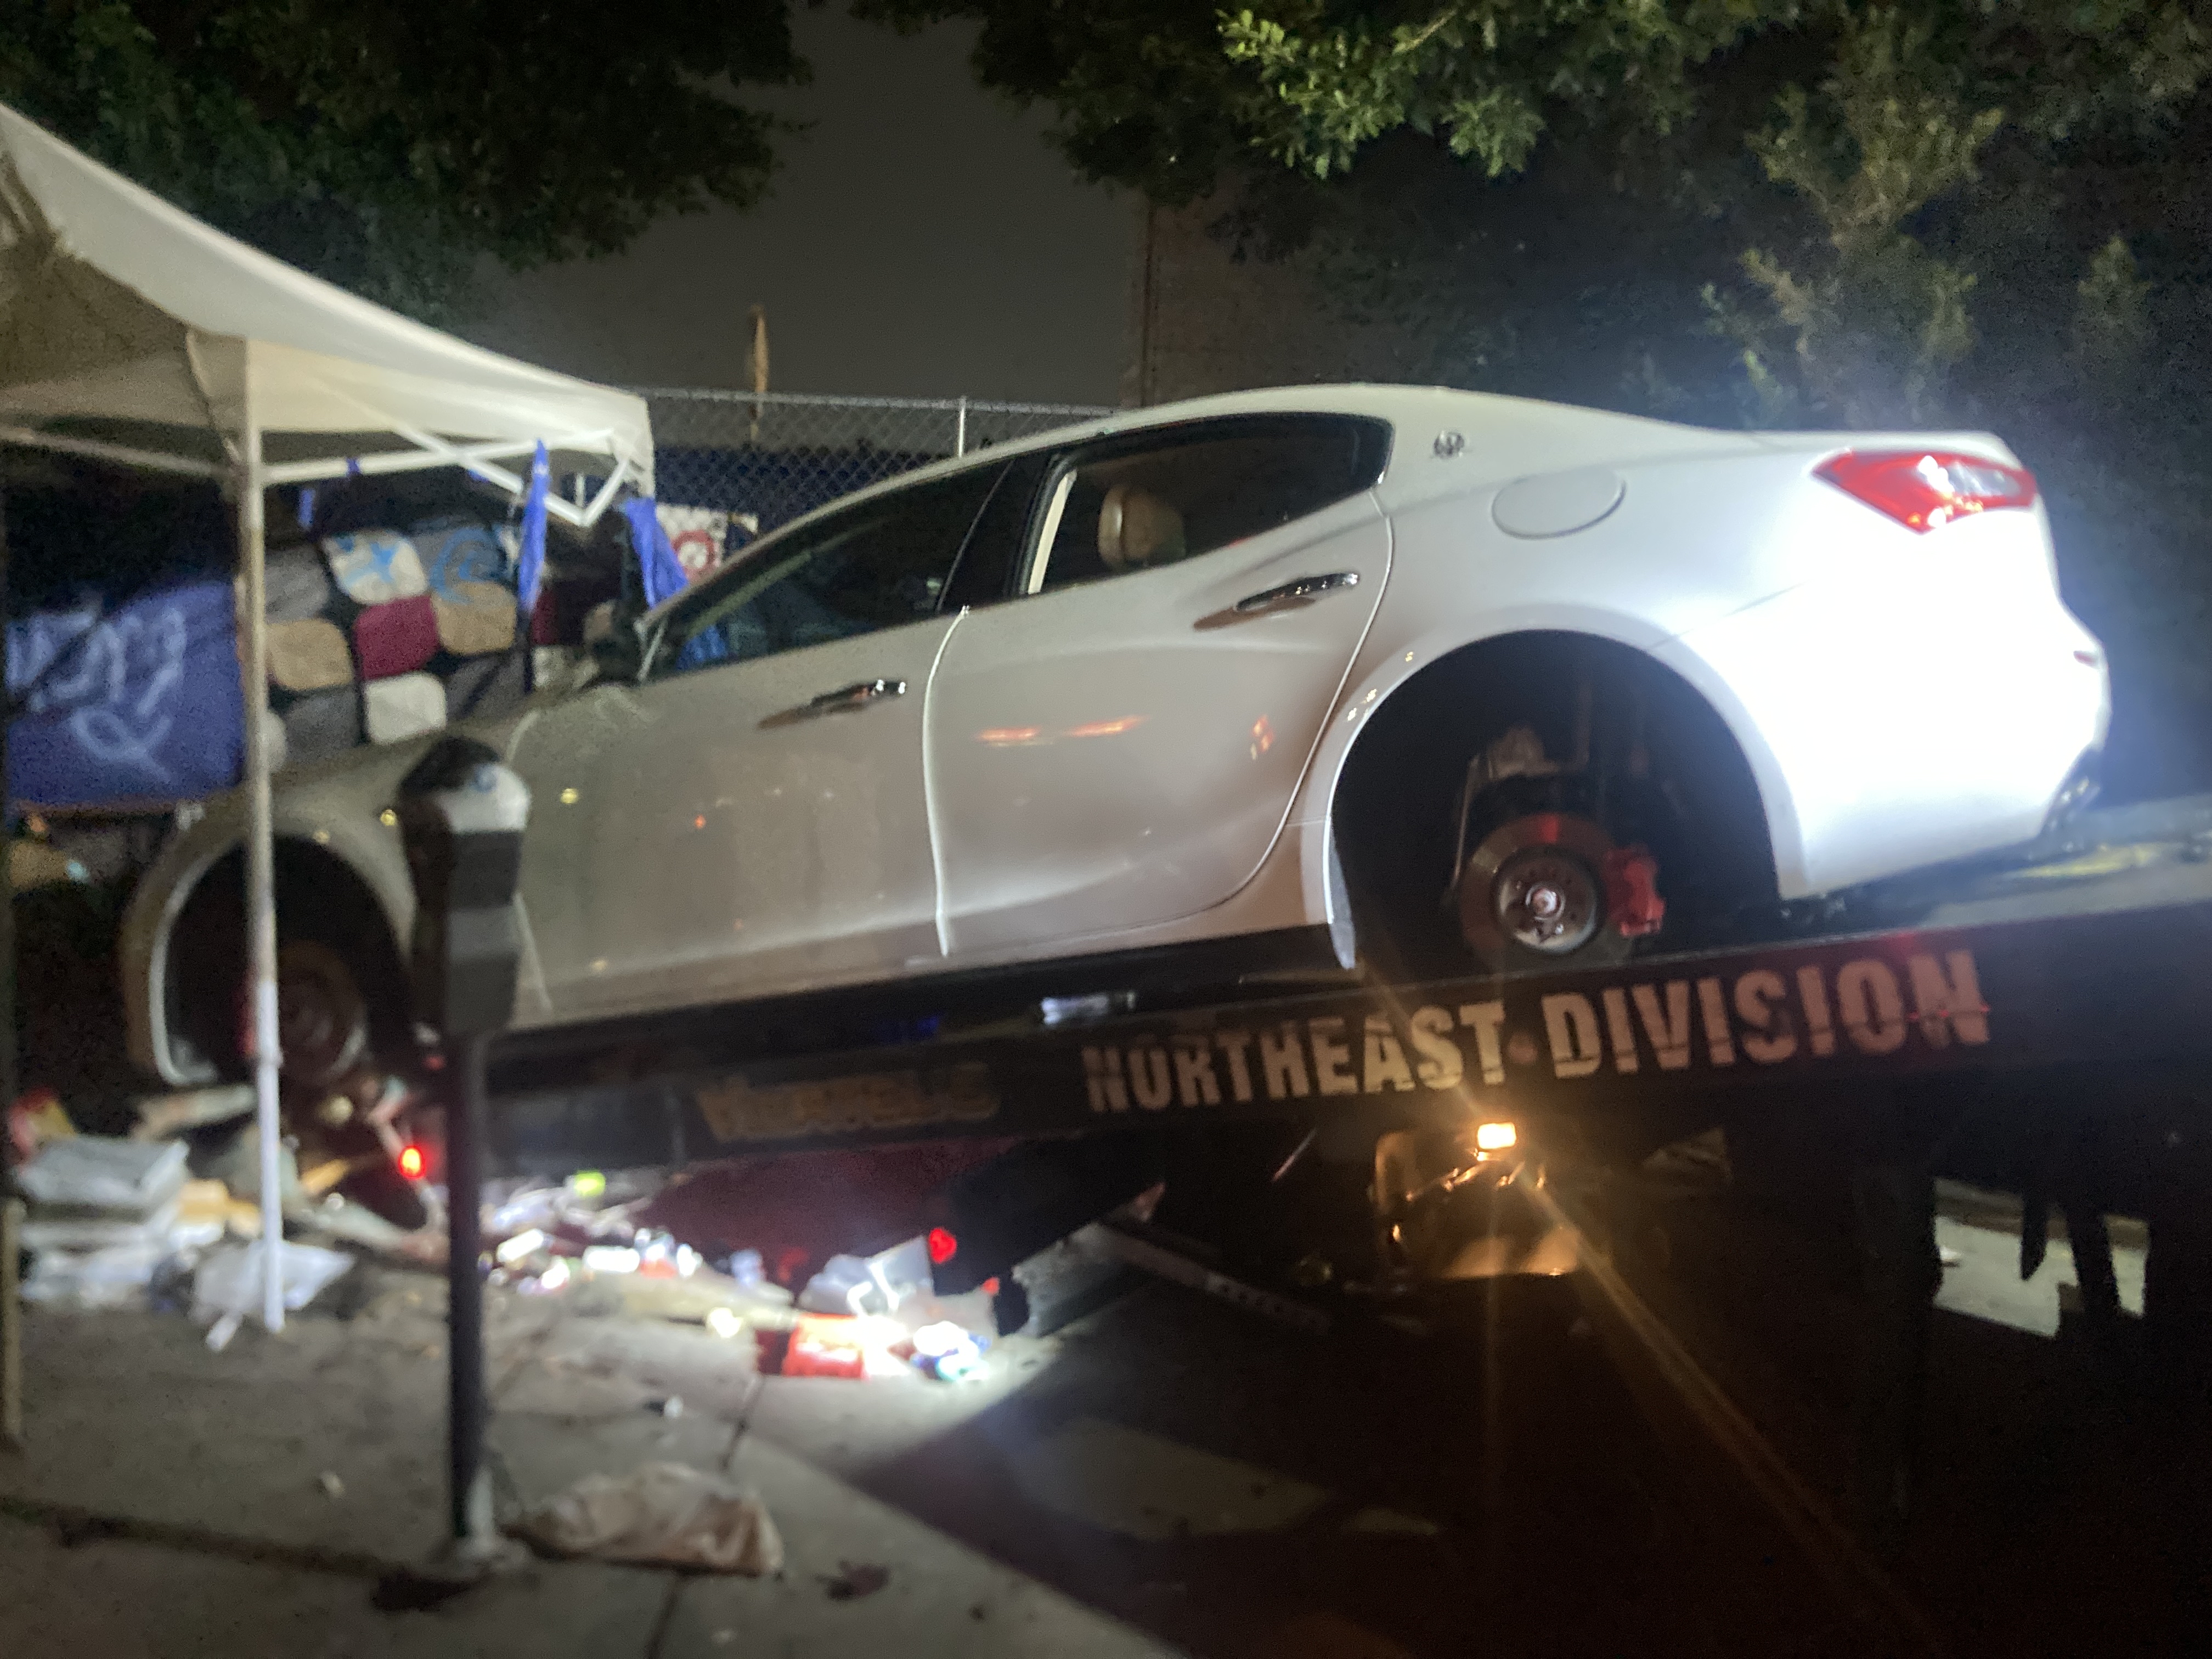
(2041, 1025)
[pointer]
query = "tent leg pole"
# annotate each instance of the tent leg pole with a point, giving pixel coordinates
(11, 1208)
(261, 868)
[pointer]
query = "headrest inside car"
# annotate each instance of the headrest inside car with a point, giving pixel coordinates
(1137, 528)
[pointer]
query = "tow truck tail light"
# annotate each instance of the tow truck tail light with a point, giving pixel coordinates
(1923, 489)
(943, 1246)
(413, 1162)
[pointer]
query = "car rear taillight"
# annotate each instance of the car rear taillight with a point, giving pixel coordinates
(1922, 488)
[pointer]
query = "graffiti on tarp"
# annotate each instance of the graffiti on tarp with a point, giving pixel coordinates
(141, 700)
(83, 665)
(1756, 1018)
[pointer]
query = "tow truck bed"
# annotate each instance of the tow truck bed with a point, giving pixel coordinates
(2082, 968)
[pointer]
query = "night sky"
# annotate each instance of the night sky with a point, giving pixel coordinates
(921, 240)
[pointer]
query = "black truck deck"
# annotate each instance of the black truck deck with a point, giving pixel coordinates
(2082, 972)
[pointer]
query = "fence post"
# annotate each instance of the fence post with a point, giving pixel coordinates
(960, 430)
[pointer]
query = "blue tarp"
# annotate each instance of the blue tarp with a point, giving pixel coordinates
(135, 703)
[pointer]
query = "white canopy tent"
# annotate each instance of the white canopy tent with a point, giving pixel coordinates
(133, 334)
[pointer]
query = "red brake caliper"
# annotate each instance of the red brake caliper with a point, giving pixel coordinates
(1631, 892)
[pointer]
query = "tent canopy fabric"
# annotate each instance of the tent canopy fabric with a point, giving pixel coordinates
(119, 312)
(130, 333)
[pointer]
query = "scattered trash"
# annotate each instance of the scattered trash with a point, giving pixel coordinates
(660, 1257)
(554, 1279)
(691, 1301)
(229, 1281)
(162, 1116)
(107, 1214)
(948, 1352)
(611, 1259)
(34, 1118)
(879, 1283)
(668, 1514)
(97, 1172)
(746, 1267)
(818, 1345)
(856, 1345)
(854, 1580)
(525, 1243)
(114, 1277)
(1947, 1256)
(332, 1486)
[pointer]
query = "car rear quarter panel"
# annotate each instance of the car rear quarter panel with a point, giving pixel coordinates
(1701, 532)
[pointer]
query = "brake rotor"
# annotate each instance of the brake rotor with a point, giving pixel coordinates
(1535, 885)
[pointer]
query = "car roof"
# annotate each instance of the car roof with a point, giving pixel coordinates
(1417, 412)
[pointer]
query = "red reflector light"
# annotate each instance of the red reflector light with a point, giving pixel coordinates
(1922, 488)
(942, 1247)
(412, 1162)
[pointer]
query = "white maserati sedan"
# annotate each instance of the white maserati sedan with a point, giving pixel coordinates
(1449, 681)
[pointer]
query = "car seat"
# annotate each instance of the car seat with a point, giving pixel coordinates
(1136, 529)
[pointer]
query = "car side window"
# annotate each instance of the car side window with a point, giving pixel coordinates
(879, 563)
(1149, 499)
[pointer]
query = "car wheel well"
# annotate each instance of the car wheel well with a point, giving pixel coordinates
(319, 897)
(1393, 812)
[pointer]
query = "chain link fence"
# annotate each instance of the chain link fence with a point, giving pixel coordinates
(743, 463)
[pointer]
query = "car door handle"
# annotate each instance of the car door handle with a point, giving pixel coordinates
(859, 695)
(1305, 587)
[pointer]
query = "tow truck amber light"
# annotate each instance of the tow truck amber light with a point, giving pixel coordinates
(1923, 489)
(1494, 1137)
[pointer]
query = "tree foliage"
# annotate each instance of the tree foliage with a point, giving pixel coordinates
(1861, 213)
(388, 147)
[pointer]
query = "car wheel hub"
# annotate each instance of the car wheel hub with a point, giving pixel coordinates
(322, 1019)
(1534, 883)
(1546, 902)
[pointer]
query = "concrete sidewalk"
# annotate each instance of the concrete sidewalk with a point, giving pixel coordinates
(173, 1501)
(1169, 1475)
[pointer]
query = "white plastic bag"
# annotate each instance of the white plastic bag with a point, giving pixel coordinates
(230, 1281)
(94, 1172)
(879, 1283)
(669, 1514)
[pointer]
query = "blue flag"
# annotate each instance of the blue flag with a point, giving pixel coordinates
(531, 569)
(660, 571)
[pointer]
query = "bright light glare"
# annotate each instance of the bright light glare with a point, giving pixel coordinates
(411, 1162)
(1494, 1137)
